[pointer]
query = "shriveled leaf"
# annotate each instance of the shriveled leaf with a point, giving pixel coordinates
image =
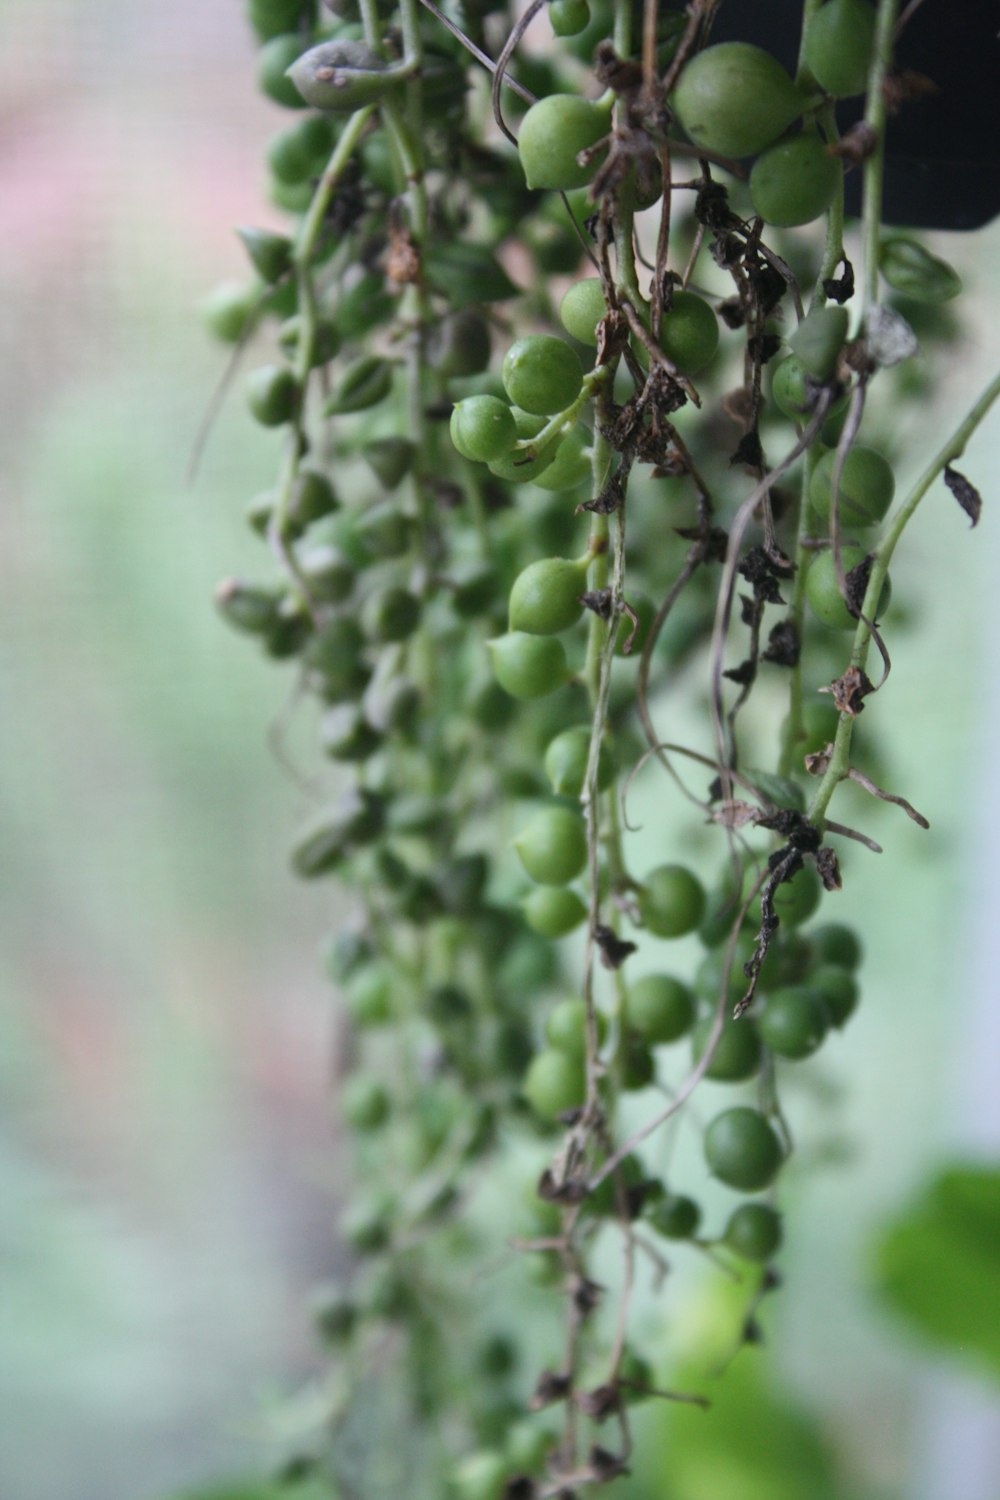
(889, 339)
(965, 493)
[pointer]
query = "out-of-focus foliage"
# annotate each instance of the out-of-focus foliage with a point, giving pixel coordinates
(938, 1263)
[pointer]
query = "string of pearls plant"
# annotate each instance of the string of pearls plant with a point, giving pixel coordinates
(537, 479)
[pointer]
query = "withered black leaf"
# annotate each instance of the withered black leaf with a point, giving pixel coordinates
(744, 674)
(849, 690)
(783, 644)
(714, 540)
(829, 869)
(614, 950)
(598, 601)
(748, 450)
(551, 1387)
(731, 312)
(551, 1190)
(768, 284)
(841, 288)
(521, 1487)
(763, 347)
(965, 493)
(606, 1465)
(599, 1403)
(857, 584)
(711, 206)
(855, 145)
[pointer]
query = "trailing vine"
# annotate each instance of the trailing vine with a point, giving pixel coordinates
(505, 533)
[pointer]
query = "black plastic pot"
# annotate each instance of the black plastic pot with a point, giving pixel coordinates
(943, 150)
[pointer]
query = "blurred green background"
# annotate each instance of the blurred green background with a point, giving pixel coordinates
(168, 1167)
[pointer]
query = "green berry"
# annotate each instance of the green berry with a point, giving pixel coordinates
(334, 653)
(552, 134)
(837, 944)
(582, 308)
(479, 1476)
(660, 1008)
(482, 428)
(795, 900)
(273, 61)
(820, 722)
(753, 1231)
(737, 1053)
(734, 99)
(553, 845)
(529, 666)
(313, 497)
(346, 734)
(867, 486)
(394, 707)
(911, 269)
(671, 901)
(794, 1021)
(554, 1083)
(369, 996)
(553, 910)
(542, 374)
(545, 598)
(340, 76)
(390, 459)
(521, 465)
(838, 48)
(742, 1149)
(334, 1314)
(459, 345)
(571, 465)
(639, 1064)
(709, 973)
(347, 955)
(838, 989)
(366, 1224)
(566, 762)
(365, 382)
(298, 154)
(247, 607)
(823, 592)
(794, 181)
(794, 394)
(384, 530)
(270, 253)
(674, 1216)
(474, 588)
(566, 1028)
(689, 333)
(390, 614)
(819, 339)
(228, 311)
(569, 17)
(272, 394)
(364, 1103)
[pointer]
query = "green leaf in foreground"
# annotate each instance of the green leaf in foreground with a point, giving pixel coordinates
(938, 1264)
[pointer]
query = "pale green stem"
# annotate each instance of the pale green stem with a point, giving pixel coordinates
(302, 254)
(953, 448)
(792, 730)
(832, 254)
(564, 421)
(874, 168)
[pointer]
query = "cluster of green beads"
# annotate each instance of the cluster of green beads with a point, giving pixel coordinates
(471, 621)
